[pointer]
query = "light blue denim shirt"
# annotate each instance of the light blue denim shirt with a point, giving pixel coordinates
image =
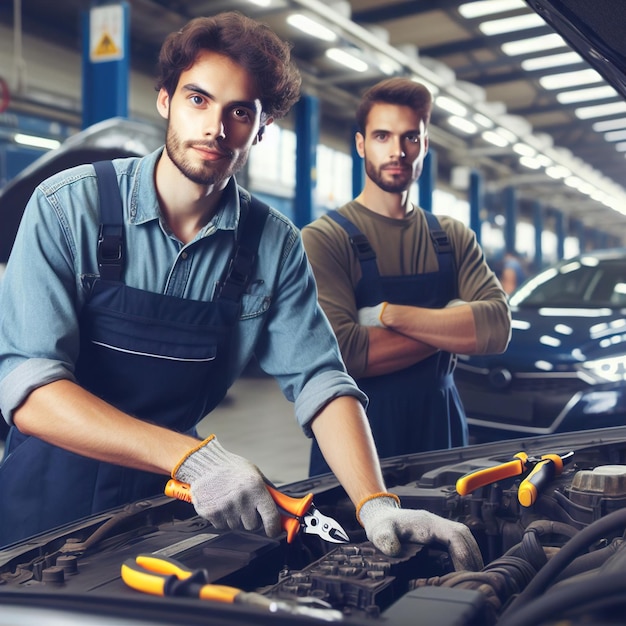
(42, 293)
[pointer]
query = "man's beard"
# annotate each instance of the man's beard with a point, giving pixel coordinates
(207, 172)
(396, 184)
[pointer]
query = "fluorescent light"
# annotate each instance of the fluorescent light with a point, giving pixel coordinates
(511, 24)
(311, 27)
(36, 142)
(524, 149)
(346, 59)
(533, 44)
(552, 60)
(451, 106)
(558, 171)
(570, 79)
(462, 124)
(492, 137)
(543, 160)
(506, 134)
(621, 146)
(489, 7)
(604, 125)
(600, 110)
(483, 120)
(582, 95)
(529, 162)
(261, 3)
(573, 181)
(615, 135)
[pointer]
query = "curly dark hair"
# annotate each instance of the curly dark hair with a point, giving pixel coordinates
(248, 43)
(399, 91)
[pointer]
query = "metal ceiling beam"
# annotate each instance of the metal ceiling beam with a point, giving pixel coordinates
(407, 8)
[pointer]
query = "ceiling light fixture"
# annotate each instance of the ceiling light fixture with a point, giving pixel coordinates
(346, 59)
(511, 24)
(552, 60)
(460, 123)
(311, 27)
(494, 138)
(584, 95)
(36, 142)
(570, 79)
(451, 106)
(604, 125)
(533, 44)
(481, 8)
(615, 135)
(600, 110)
(558, 171)
(524, 149)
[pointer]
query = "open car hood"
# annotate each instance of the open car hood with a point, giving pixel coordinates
(75, 569)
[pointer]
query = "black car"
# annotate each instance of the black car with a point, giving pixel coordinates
(565, 366)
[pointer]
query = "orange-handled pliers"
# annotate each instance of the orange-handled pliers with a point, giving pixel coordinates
(295, 513)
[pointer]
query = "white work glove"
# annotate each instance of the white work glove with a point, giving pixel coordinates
(386, 525)
(227, 489)
(454, 303)
(372, 315)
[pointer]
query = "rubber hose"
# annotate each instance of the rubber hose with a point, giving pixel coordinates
(548, 573)
(560, 601)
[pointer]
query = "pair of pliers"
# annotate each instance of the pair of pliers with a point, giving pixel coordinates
(541, 470)
(295, 513)
(162, 576)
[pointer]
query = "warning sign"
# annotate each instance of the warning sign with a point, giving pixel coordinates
(106, 33)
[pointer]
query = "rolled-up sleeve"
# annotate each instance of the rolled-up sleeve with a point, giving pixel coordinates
(39, 339)
(299, 348)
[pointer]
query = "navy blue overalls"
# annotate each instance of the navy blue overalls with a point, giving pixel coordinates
(154, 356)
(417, 408)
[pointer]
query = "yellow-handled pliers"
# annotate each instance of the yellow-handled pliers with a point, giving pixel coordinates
(295, 513)
(162, 576)
(540, 471)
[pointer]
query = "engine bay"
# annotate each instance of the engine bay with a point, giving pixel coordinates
(562, 557)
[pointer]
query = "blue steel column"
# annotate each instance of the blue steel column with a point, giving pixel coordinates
(538, 223)
(510, 218)
(559, 227)
(358, 173)
(476, 203)
(582, 234)
(428, 181)
(307, 137)
(105, 82)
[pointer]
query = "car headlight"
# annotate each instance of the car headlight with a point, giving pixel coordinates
(612, 369)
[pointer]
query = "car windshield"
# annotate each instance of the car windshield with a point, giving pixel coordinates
(586, 281)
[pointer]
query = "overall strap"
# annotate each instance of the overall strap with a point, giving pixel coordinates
(241, 265)
(111, 234)
(361, 246)
(443, 247)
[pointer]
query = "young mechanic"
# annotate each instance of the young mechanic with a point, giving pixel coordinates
(403, 290)
(106, 366)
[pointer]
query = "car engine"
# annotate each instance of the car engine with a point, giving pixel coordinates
(560, 558)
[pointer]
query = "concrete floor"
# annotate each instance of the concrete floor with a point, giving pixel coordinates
(257, 422)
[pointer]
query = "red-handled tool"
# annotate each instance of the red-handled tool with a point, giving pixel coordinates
(295, 513)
